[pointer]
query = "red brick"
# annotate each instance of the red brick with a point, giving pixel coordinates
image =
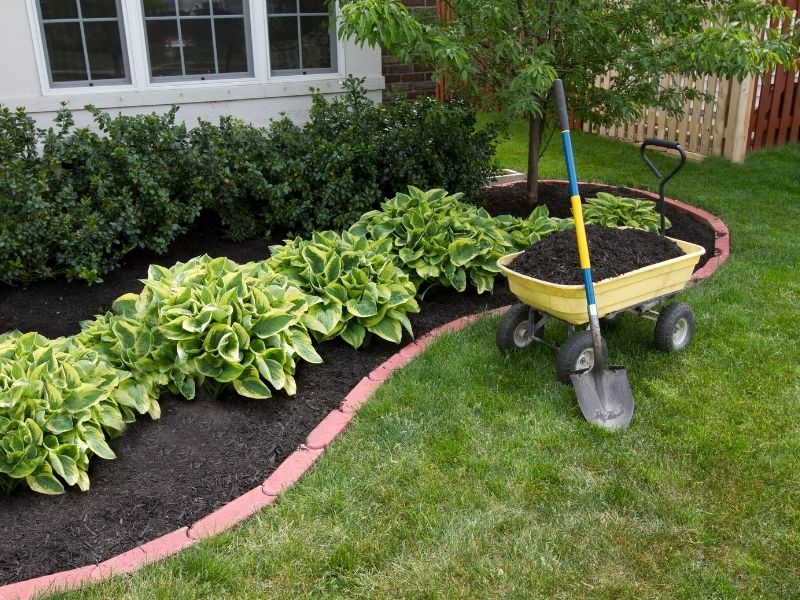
(126, 562)
(359, 394)
(380, 373)
(327, 430)
(40, 586)
(290, 470)
(232, 513)
(167, 545)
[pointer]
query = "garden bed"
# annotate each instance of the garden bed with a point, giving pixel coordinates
(201, 453)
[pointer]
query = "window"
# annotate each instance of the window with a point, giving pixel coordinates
(300, 37)
(197, 39)
(83, 42)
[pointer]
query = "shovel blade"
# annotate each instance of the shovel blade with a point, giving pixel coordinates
(604, 396)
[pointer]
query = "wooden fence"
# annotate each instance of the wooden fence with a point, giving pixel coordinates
(759, 112)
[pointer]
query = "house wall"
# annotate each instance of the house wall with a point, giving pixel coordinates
(409, 80)
(256, 99)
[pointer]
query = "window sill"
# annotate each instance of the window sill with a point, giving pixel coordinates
(187, 92)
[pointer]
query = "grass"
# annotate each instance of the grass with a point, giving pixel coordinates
(472, 475)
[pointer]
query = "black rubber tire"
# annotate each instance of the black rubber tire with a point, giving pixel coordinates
(674, 327)
(569, 354)
(513, 327)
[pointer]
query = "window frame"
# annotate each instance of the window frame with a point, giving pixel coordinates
(334, 46)
(89, 82)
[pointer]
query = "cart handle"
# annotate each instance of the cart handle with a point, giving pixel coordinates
(670, 146)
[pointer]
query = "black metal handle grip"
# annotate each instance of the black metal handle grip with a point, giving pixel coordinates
(671, 146)
(662, 143)
(561, 103)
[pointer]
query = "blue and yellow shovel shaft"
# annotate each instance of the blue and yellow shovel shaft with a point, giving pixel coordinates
(575, 200)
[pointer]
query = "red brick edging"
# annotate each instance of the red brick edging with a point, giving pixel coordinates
(302, 459)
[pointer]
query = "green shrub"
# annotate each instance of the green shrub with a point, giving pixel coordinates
(86, 198)
(359, 286)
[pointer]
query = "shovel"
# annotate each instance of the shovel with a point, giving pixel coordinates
(604, 394)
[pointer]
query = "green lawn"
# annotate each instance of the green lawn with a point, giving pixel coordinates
(473, 475)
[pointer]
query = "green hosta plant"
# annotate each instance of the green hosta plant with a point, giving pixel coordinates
(615, 211)
(212, 320)
(58, 401)
(359, 286)
(439, 239)
(524, 232)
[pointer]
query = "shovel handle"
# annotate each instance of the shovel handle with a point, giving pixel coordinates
(600, 358)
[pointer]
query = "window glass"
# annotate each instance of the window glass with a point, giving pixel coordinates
(284, 50)
(196, 38)
(316, 42)
(59, 9)
(300, 37)
(104, 48)
(231, 54)
(98, 9)
(65, 49)
(198, 47)
(164, 48)
(83, 41)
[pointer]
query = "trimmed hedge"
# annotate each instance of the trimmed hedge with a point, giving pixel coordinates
(74, 201)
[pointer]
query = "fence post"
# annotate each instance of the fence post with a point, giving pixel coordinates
(737, 135)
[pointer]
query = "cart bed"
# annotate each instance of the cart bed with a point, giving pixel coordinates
(568, 302)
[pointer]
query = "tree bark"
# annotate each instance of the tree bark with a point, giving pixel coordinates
(534, 142)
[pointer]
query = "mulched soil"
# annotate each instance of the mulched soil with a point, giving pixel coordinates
(510, 199)
(612, 252)
(200, 454)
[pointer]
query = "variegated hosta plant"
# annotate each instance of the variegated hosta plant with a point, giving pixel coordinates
(525, 232)
(439, 238)
(57, 403)
(359, 286)
(213, 320)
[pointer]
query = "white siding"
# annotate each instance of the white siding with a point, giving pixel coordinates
(256, 100)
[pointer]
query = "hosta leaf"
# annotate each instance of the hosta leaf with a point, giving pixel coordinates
(336, 292)
(333, 268)
(460, 279)
(251, 386)
(314, 257)
(126, 334)
(125, 305)
(270, 325)
(44, 483)
(272, 371)
(229, 348)
(97, 442)
(84, 396)
(389, 329)
(229, 372)
(65, 467)
(365, 307)
(59, 422)
(462, 251)
(302, 345)
(353, 334)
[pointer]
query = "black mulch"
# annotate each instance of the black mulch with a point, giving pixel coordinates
(612, 252)
(200, 454)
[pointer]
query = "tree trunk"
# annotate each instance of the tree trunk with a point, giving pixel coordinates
(534, 142)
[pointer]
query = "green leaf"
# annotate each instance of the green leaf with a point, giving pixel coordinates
(365, 307)
(83, 397)
(97, 442)
(251, 386)
(302, 345)
(272, 324)
(44, 483)
(272, 371)
(353, 334)
(389, 329)
(65, 467)
(462, 251)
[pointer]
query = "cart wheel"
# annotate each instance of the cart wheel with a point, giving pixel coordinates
(576, 354)
(674, 327)
(512, 332)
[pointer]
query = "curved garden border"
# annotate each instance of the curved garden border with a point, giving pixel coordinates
(302, 459)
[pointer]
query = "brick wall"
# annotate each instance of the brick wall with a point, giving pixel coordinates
(409, 80)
